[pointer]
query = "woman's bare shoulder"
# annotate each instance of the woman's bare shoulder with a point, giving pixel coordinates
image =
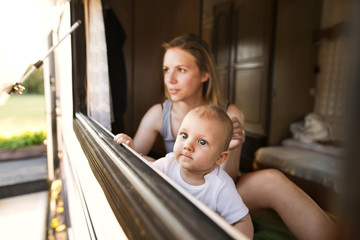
(152, 118)
(155, 110)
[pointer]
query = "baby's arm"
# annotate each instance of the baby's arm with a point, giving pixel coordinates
(245, 226)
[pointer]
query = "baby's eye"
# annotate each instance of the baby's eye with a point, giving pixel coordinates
(202, 142)
(184, 135)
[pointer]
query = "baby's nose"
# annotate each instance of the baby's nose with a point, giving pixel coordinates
(188, 146)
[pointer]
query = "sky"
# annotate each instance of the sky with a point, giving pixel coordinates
(24, 27)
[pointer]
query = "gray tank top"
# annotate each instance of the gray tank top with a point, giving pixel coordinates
(165, 131)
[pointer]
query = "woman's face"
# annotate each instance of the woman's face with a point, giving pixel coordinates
(182, 77)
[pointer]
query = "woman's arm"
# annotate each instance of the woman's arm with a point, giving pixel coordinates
(232, 165)
(146, 134)
(148, 130)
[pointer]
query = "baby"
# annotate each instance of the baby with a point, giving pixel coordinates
(200, 148)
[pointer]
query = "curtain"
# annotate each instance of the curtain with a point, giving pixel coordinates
(97, 65)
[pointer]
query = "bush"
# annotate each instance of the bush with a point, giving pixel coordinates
(23, 140)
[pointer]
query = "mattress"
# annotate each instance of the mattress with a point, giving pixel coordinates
(301, 162)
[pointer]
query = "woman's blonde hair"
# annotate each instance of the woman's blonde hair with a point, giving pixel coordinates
(200, 50)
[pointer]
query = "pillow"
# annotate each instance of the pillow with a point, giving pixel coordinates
(312, 129)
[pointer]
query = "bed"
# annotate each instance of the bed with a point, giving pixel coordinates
(315, 167)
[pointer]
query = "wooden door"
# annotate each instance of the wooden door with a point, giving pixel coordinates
(242, 44)
(250, 62)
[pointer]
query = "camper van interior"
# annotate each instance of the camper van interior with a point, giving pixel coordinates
(279, 61)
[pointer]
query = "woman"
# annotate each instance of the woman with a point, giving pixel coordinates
(190, 81)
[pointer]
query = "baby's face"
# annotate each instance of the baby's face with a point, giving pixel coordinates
(199, 143)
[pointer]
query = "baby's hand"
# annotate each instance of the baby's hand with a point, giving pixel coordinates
(238, 134)
(123, 138)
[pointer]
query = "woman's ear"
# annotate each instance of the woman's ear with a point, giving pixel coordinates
(205, 77)
(222, 158)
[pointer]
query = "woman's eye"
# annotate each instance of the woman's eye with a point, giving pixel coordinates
(202, 142)
(181, 70)
(165, 70)
(184, 135)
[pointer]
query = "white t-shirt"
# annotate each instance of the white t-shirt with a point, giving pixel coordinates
(218, 192)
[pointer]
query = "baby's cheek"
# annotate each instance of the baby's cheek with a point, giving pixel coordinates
(176, 148)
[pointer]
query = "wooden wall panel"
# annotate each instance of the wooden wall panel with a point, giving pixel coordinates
(147, 25)
(295, 59)
(221, 44)
(157, 21)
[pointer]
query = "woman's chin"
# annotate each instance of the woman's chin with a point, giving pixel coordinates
(175, 98)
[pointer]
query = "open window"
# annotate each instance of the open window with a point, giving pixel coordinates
(107, 189)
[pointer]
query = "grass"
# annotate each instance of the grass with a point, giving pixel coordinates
(21, 114)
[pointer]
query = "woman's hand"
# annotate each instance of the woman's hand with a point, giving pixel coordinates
(238, 137)
(123, 138)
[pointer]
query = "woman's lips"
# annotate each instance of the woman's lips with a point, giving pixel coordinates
(173, 91)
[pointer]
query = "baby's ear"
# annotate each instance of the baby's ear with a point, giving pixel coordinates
(222, 158)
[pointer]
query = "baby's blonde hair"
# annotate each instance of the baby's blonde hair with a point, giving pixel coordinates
(215, 113)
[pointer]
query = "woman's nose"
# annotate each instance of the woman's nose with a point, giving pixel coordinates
(171, 78)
